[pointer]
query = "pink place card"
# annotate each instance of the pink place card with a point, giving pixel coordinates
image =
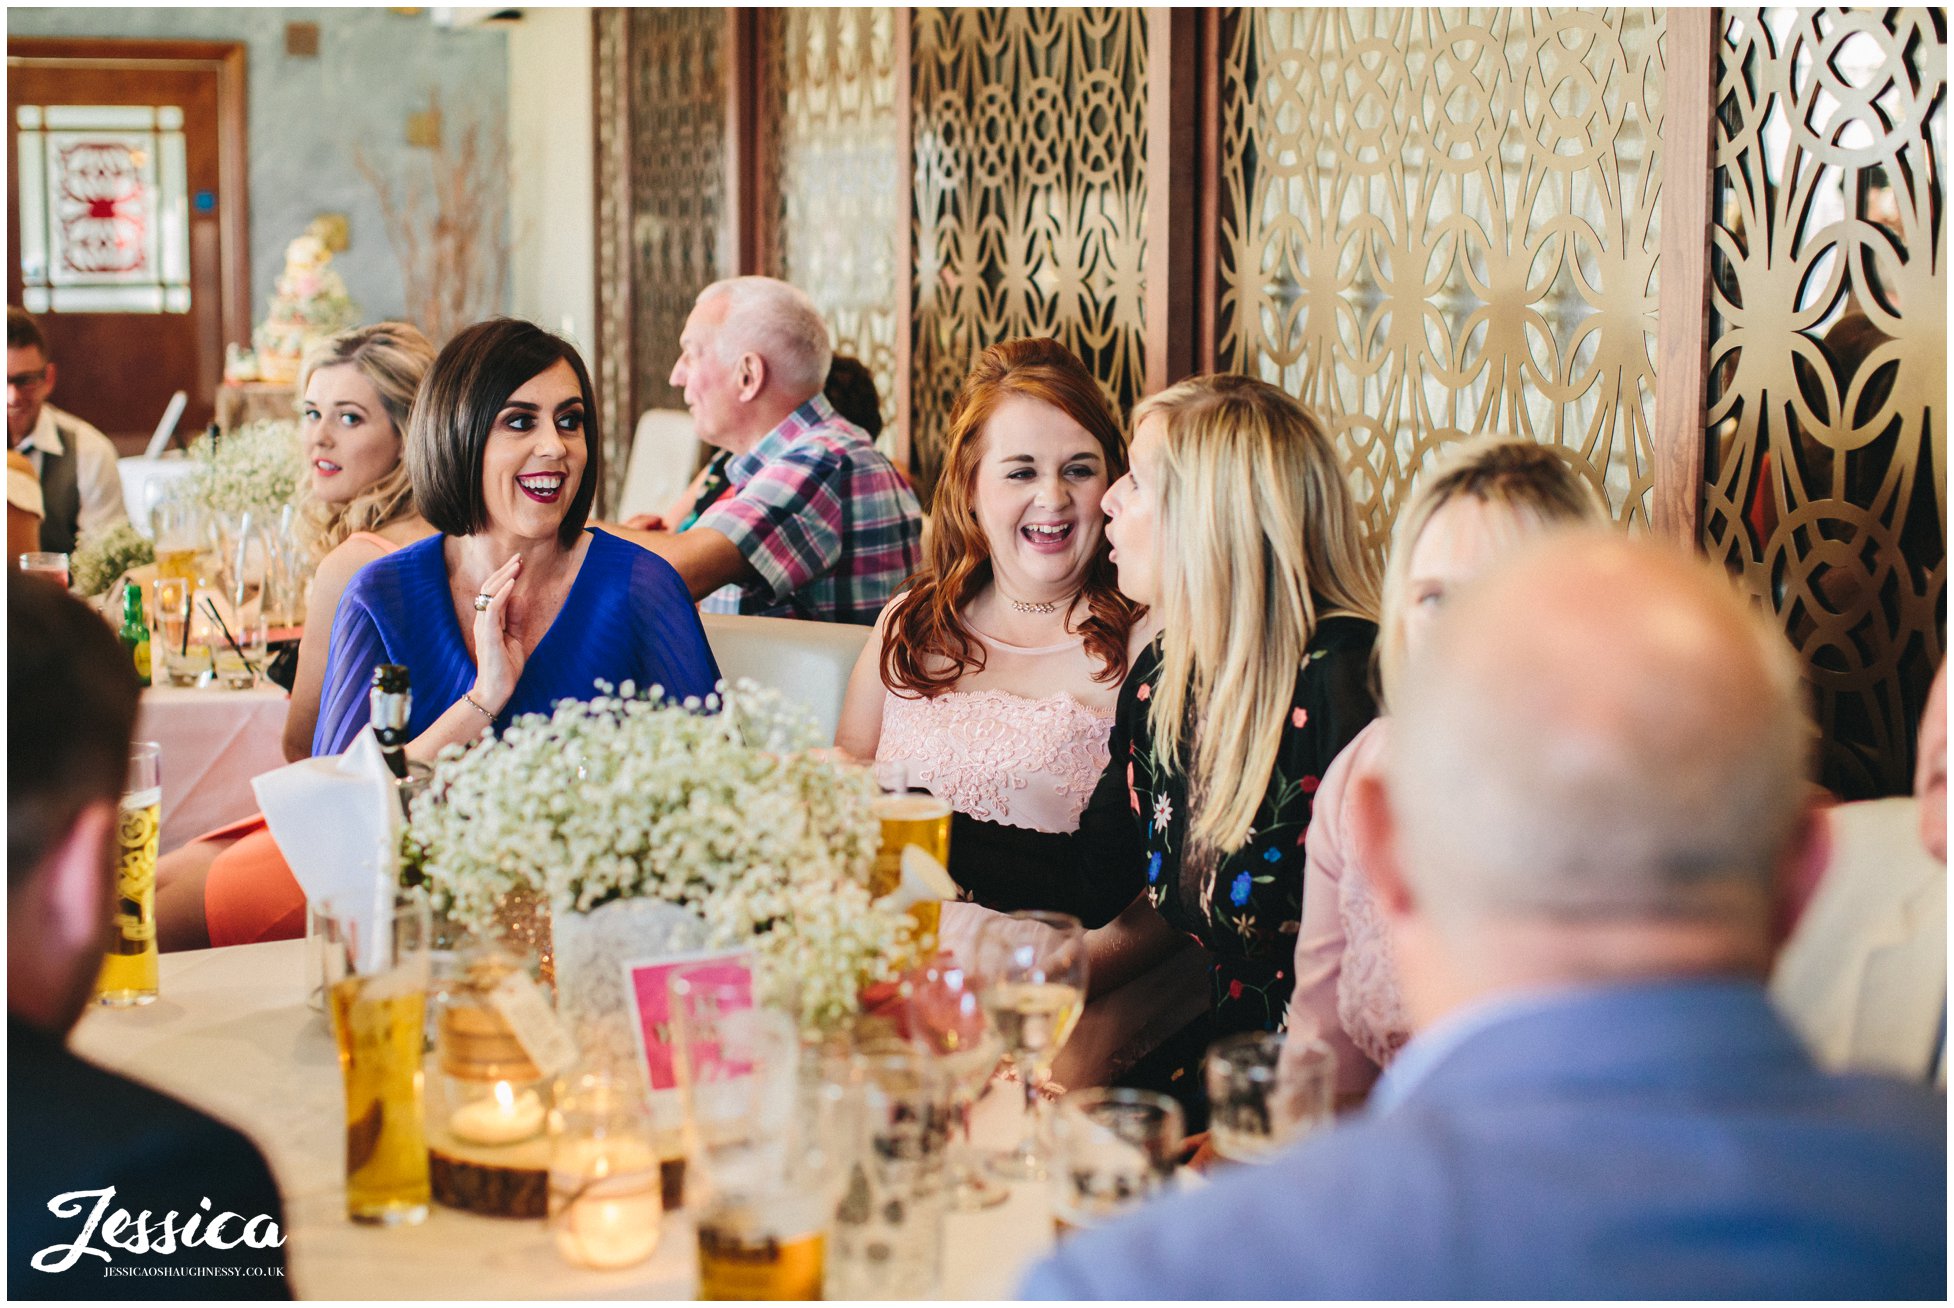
(648, 985)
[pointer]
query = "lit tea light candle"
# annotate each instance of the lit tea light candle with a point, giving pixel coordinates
(509, 1118)
(609, 1216)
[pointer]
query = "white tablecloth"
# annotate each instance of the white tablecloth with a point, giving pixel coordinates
(231, 1034)
(214, 741)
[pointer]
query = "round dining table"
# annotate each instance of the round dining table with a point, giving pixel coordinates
(232, 1035)
(213, 742)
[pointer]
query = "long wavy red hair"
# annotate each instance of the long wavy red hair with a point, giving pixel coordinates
(926, 648)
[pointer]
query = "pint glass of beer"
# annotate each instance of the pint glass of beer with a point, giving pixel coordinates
(908, 818)
(376, 959)
(128, 974)
(755, 1180)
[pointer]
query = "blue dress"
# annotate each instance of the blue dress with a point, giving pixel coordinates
(627, 617)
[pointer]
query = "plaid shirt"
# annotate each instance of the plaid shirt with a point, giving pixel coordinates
(828, 523)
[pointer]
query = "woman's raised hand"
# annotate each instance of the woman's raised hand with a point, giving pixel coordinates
(498, 654)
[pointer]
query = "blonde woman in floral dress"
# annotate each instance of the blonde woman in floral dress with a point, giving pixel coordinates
(1236, 527)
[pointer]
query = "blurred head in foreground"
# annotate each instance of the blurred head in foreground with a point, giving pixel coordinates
(71, 706)
(1597, 775)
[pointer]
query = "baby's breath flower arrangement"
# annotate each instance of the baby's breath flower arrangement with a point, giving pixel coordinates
(255, 468)
(725, 813)
(103, 555)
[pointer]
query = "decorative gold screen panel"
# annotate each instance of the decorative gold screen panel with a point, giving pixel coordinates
(1030, 196)
(1827, 449)
(661, 185)
(1443, 223)
(836, 163)
(611, 369)
(678, 179)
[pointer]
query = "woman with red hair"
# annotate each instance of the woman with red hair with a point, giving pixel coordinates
(991, 681)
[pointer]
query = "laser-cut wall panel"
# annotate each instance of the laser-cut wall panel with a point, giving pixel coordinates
(661, 125)
(1437, 224)
(835, 162)
(1827, 451)
(1030, 196)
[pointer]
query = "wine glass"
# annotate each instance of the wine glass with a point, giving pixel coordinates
(947, 1018)
(1031, 969)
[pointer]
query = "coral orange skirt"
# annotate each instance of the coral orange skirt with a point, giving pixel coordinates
(250, 895)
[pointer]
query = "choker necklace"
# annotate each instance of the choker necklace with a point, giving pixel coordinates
(1026, 606)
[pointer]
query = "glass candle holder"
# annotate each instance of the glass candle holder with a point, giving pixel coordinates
(606, 1201)
(487, 1100)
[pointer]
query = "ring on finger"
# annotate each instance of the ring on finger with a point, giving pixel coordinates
(482, 601)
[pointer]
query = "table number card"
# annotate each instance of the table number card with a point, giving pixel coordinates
(648, 984)
(534, 1024)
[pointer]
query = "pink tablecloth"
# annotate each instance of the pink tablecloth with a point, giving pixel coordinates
(214, 742)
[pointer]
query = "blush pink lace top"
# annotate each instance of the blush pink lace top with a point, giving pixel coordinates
(1346, 978)
(997, 755)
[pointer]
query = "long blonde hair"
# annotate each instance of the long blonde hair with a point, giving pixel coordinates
(394, 357)
(1532, 482)
(1257, 542)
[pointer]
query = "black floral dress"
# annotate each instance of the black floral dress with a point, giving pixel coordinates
(1246, 910)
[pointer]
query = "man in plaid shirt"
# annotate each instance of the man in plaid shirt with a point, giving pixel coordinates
(799, 516)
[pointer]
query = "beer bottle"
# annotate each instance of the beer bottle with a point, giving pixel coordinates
(389, 705)
(135, 629)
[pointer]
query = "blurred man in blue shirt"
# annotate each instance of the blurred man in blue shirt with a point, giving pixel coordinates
(1593, 794)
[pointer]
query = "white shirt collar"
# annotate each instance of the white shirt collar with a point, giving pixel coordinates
(44, 437)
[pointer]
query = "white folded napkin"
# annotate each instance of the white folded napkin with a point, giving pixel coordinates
(337, 821)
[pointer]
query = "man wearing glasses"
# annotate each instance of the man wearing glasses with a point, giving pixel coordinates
(80, 488)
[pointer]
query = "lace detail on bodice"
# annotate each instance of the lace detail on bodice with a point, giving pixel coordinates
(1000, 757)
(1368, 1002)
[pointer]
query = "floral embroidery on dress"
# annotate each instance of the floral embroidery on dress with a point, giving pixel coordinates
(1247, 910)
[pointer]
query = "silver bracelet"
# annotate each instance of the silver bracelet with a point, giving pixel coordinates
(469, 700)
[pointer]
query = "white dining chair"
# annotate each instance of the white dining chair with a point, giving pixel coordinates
(664, 455)
(807, 662)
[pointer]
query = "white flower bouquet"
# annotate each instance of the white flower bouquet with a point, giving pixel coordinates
(106, 554)
(256, 468)
(725, 813)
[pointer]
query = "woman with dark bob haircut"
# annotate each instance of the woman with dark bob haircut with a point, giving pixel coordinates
(514, 605)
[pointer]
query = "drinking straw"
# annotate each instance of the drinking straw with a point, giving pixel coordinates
(219, 619)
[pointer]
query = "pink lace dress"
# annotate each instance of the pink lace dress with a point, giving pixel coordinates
(1346, 978)
(1020, 761)
(999, 756)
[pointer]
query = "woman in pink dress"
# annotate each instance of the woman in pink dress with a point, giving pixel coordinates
(232, 886)
(991, 681)
(1474, 508)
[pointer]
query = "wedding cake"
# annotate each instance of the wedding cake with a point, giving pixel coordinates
(308, 302)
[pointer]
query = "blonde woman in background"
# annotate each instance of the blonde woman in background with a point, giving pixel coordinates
(1235, 526)
(356, 389)
(1480, 502)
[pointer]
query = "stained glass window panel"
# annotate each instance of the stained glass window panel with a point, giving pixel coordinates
(104, 209)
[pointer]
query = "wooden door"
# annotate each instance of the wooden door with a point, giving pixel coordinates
(126, 221)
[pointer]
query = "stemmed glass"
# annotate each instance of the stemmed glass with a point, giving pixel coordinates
(1031, 969)
(947, 1019)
